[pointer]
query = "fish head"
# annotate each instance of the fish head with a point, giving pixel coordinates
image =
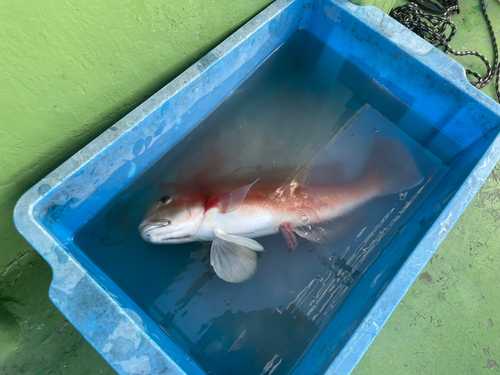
(173, 220)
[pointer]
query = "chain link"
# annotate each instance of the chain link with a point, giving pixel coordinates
(434, 29)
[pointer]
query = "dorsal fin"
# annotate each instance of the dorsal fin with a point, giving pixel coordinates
(232, 201)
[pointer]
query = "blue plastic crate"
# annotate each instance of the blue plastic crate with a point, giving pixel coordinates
(396, 61)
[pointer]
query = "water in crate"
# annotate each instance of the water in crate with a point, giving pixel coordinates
(306, 160)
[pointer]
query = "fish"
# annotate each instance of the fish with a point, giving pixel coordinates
(233, 216)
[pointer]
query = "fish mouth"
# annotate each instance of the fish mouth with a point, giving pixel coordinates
(164, 231)
(153, 227)
(166, 240)
(148, 226)
(147, 230)
(182, 239)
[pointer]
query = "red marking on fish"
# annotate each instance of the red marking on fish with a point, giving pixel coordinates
(213, 202)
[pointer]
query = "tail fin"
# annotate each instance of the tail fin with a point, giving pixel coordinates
(392, 164)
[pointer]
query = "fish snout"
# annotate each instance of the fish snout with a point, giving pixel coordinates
(165, 232)
(146, 228)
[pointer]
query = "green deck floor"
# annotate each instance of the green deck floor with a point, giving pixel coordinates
(448, 323)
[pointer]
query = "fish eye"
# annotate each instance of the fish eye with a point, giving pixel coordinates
(164, 200)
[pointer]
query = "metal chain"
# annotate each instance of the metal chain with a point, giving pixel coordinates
(434, 29)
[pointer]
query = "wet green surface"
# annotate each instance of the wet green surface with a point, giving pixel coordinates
(44, 342)
(449, 321)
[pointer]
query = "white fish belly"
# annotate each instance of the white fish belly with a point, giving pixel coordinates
(264, 224)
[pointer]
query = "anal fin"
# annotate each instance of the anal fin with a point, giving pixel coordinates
(332, 230)
(313, 232)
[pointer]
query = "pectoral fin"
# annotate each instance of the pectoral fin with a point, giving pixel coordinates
(242, 241)
(286, 230)
(234, 258)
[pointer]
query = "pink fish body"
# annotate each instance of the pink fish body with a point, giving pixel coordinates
(234, 217)
(264, 209)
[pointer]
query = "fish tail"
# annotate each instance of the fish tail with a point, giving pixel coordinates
(391, 166)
